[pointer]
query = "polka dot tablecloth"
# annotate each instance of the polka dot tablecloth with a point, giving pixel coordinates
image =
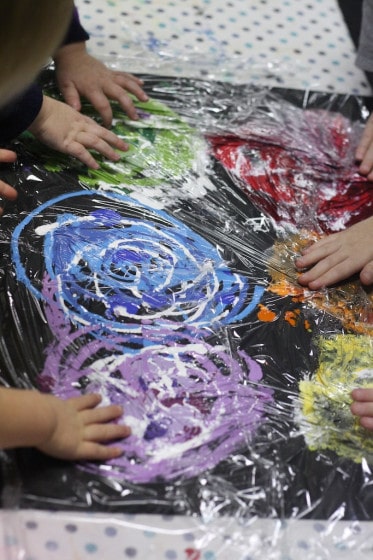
(32, 535)
(288, 43)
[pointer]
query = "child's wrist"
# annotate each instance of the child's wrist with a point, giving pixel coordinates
(69, 51)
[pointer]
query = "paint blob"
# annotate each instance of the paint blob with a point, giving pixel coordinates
(345, 363)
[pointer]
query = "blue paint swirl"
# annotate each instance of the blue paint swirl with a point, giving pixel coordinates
(120, 265)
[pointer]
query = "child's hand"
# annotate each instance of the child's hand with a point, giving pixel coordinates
(338, 256)
(364, 152)
(79, 73)
(64, 129)
(363, 406)
(81, 429)
(6, 191)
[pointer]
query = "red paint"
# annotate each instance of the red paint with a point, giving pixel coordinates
(311, 187)
(192, 554)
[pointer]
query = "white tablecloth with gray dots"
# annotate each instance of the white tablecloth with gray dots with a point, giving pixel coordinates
(37, 535)
(287, 43)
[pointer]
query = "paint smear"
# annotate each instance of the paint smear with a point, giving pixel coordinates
(297, 166)
(133, 298)
(164, 153)
(121, 265)
(349, 302)
(178, 393)
(345, 363)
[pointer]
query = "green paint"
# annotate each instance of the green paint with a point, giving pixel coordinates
(162, 149)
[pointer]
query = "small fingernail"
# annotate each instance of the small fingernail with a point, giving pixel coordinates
(118, 452)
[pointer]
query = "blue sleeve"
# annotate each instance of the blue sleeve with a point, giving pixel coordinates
(20, 113)
(76, 32)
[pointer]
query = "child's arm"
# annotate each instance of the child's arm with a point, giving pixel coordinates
(61, 127)
(80, 74)
(364, 152)
(74, 429)
(363, 406)
(338, 256)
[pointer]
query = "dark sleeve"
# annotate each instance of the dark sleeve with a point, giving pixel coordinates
(364, 59)
(76, 32)
(20, 113)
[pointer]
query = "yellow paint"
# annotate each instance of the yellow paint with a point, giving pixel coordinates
(345, 362)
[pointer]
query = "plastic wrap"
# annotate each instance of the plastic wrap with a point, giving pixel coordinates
(166, 282)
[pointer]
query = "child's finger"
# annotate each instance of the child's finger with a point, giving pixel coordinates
(102, 414)
(89, 140)
(116, 92)
(7, 156)
(320, 250)
(362, 395)
(8, 192)
(132, 84)
(101, 103)
(366, 275)
(91, 451)
(71, 95)
(367, 422)
(362, 409)
(106, 432)
(365, 140)
(366, 165)
(85, 401)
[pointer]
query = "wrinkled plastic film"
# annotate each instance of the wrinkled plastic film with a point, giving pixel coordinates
(198, 47)
(166, 282)
(271, 538)
(213, 67)
(13, 541)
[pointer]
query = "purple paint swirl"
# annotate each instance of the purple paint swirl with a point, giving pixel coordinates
(190, 405)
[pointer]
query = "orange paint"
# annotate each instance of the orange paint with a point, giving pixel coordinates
(349, 302)
(292, 317)
(282, 287)
(266, 315)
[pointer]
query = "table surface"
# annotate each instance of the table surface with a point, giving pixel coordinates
(42, 535)
(288, 43)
